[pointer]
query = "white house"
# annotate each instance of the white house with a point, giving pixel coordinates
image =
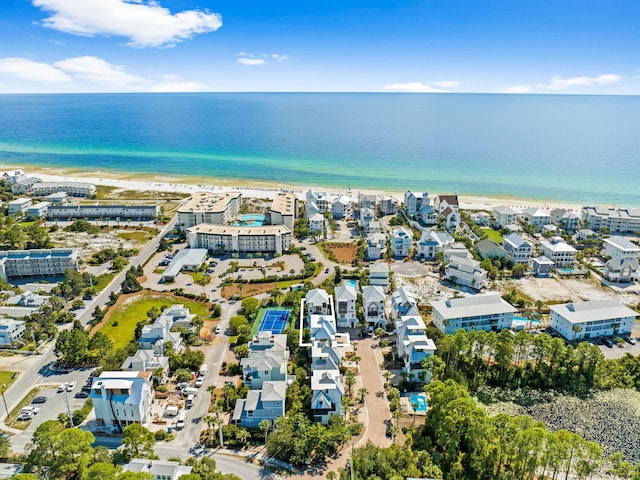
(413, 345)
(480, 312)
(345, 299)
(401, 242)
(597, 318)
(403, 303)
(388, 205)
(155, 336)
(432, 242)
(19, 205)
(414, 201)
(518, 248)
(565, 219)
(373, 299)
(318, 201)
(376, 245)
(147, 361)
(447, 207)
(159, 469)
(318, 302)
(341, 206)
(542, 266)
(189, 259)
(268, 403)
(316, 223)
(466, 271)
(504, 215)
(379, 275)
(327, 391)
(428, 215)
(537, 217)
(619, 248)
(558, 251)
(121, 398)
(621, 270)
(456, 249)
(367, 216)
(10, 330)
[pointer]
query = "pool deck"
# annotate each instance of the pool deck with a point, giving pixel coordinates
(405, 403)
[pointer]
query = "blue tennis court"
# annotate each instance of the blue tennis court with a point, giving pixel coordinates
(274, 321)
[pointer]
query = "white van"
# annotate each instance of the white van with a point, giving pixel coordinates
(171, 411)
(181, 419)
(189, 403)
(189, 391)
(203, 369)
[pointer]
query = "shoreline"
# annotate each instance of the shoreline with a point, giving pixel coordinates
(255, 188)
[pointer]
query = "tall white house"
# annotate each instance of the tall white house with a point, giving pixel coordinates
(481, 312)
(620, 248)
(121, 398)
(518, 248)
(505, 215)
(401, 242)
(559, 252)
(466, 271)
(596, 318)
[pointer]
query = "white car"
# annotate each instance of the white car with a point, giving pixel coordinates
(30, 410)
(62, 387)
(218, 329)
(24, 416)
(71, 386)
(199, 382)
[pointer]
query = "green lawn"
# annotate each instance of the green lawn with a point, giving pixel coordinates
(123, 320)
(104, 280)
(493, 235)
(199, 277)
(138, 236)
(7, 378)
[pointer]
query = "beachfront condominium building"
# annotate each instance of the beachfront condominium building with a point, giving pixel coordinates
(227, 238)
(558, 251)
(504, 216)
(597, 318)
(102, 212)
(284, 209)
(612, 219)
(210, 208)
(518, 248)
(401, 242)
(466, 271)
(38, 210)
(620, 248)
(19, 206)
(481, 312)
(73, 189)
(121, 398)
(37, 263)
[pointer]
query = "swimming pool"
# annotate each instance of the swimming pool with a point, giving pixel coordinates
(352, 283)
(250, 220)
(418, 403)
(520, 323)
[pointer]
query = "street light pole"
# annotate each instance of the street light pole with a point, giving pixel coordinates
(4, 386)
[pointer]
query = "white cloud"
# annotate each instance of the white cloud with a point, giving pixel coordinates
(25, 69)
(90, 74)
(245, 58)
(516, 89)
(173, 83)
(414, 87)
(447, 83)
(251, 61)
(98, 71)
(559, 83)
(144, 22)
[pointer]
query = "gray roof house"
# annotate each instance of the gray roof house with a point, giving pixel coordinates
(267, 403)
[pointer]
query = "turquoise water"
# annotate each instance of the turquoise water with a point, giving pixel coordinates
(526, 320)
(419, 402)
(555, 147)
(353, 283)
(250, 220)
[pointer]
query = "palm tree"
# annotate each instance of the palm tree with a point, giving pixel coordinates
(349, 379)
(331, 475)
(363, 393)
(264, 427)
(242, 436)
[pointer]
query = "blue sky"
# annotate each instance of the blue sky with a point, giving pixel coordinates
(495, 46)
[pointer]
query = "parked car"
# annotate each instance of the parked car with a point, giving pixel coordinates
(25, 416)
(33, 410)
(40, 399)
(71, 386)
(607, 342)
(82, 394)
(629, 340)
(199, 381)
(62, 387)
(218, 329)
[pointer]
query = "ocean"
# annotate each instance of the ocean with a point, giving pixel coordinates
(569, 148)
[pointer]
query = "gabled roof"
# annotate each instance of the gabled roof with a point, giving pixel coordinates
(515, 240)
(536, 212)
(373, 293)
(489, 248)
(345, 292)
(504, 210)
(542, 260)
(618, 264)
(622, 243)
(475, 306)
(379, 267)
(317, 295)
(403, 296)
(579, 312)
(450, 199)
(273, 391)
(320, 401)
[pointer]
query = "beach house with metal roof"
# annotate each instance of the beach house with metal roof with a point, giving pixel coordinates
(596, 318)
(480, 312)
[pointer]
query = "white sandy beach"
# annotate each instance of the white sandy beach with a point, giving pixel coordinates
(261, 190)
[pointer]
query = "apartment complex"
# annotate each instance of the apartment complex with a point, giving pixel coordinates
(613, 219)
(228, 238)
(210, 208)
(37, 263)
(482, 312)
(596, 318)
(113, 212)
(284, 209)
